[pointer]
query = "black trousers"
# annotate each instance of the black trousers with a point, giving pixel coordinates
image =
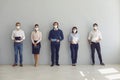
(98, 49)
(55, 52)
(74, 51)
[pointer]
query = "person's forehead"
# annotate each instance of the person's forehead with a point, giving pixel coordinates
(55, 23)
(36, 26)
(95, 26)
(18, 24)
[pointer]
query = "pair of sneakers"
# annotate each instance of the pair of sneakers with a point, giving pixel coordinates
(53, 65)
(14, 65)
(100, 64)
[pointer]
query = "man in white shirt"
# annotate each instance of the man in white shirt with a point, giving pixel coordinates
(18, 36)
(94, 39)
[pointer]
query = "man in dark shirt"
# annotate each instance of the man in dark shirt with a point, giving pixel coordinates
(55, 37)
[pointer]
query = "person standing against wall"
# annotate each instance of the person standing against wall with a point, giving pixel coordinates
(55, 37)
(36, 37)
(18, 36)
(94, 39)
(74, 39)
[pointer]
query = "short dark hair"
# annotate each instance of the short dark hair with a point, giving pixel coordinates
(56, 23)
(95, 24)
(74, 28)
(36, 25)
(18, 23)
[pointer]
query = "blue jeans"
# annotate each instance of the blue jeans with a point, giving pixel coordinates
(18, 49)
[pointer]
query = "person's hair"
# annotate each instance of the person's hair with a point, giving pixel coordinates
(74, 28)
(95, 24)
(18, 23)
(36, 25)
(56, 23)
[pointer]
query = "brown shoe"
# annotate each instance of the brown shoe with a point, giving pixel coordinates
(14, 65)
(21, 65)
(35, 65)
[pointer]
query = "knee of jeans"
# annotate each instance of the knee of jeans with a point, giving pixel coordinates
(20, 54)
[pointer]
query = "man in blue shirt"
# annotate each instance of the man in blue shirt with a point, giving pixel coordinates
(55, 37)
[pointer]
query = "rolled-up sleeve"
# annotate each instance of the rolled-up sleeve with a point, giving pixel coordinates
(70, 37)
(12, 37)
(23, 35)
(100, 35)
(89, 36)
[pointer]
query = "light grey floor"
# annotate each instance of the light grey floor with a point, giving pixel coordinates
(63, 72)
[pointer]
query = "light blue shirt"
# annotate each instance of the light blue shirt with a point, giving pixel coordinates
(74, 38)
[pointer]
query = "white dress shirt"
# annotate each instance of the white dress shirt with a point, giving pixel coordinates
(18, 33)
(94, 36)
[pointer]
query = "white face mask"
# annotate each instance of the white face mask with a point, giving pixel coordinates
(74, 31)
(18, 27)
(36, 29)
(55, 27)
(95, 28)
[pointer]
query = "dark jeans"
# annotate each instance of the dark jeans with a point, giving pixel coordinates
(55, 52)
(74, 51)
(97, 47)
(18, 49)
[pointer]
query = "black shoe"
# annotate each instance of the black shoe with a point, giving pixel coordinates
(93, 63)
(21, 65)
(102, 64)
(73, 64)
(14, 65)
(58, 64)
(52, 65)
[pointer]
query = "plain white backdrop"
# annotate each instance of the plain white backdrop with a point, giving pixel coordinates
(69, 13)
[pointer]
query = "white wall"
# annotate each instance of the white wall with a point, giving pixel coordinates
(69, 13)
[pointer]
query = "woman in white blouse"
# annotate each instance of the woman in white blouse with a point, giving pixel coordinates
(36, 37)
